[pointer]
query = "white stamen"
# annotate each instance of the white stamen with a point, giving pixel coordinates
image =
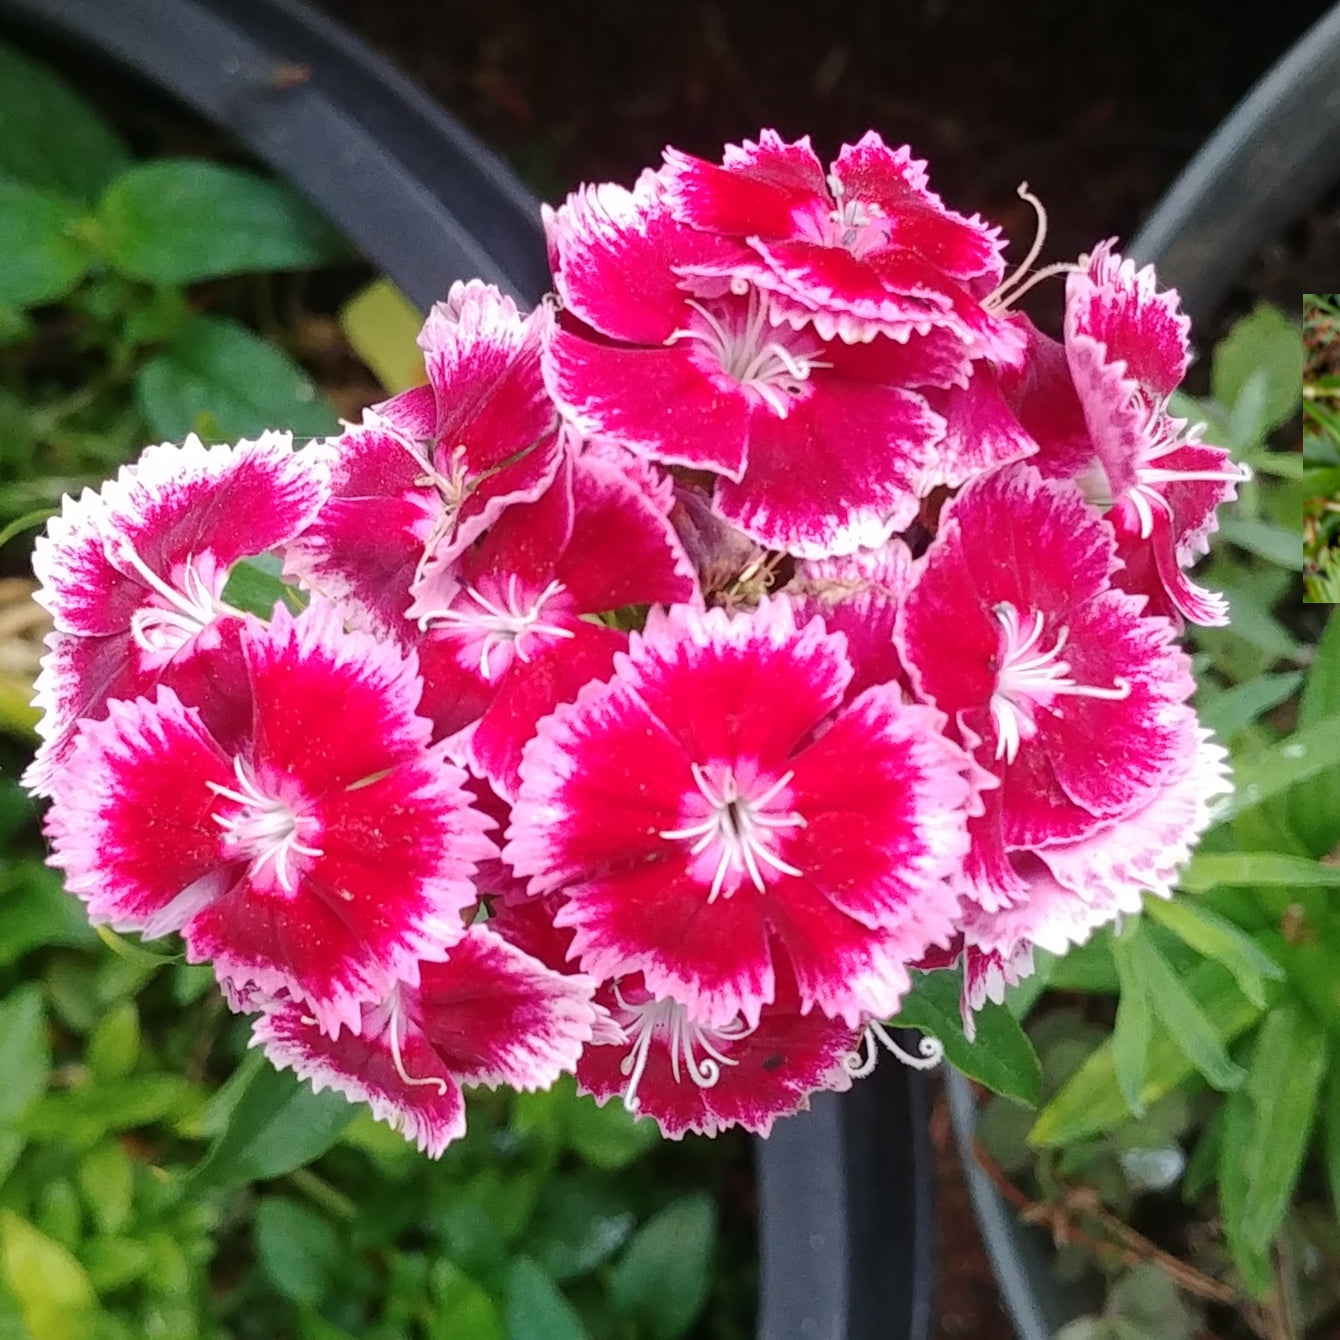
(162, 630)
(1027, 678)
(1019, 281)
(740, 826)
(748, 350)
(501, 624)
(266, 829)
(684, 1040)
(861, 1062)
(393, 1027)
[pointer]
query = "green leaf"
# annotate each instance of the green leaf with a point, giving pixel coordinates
(663, 1277)
(50, 137)
(177, 221)
(580, 1222)
(254, 585)
(25, 1051)
(106, 1180)
(1135, 1022)
(219, 380)
(1239, 706)
(606, 1135)
(44, 255)
(1091, 1102)
(1309, 750)
(1273, 543)
(536, 1307)
(296, 1249)
(1180, 1014)
(1267, 869)
(1219, 939)
(1283, 1085)
(53, 1291)
(276, 1125)
(1268, 341)
(1314, 810)
(114, 1045)
(1002, 1057)
(1235, 1153)
(1332, 1132)
(461, 1308)
(382, 327)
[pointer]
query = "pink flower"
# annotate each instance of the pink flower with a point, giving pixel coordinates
(489, 1014)
(696, 1077)
(323, 853)
(815, 443)
(710, 797)
(868, 250)
(1069, 889)
(507, 629)
(1057, 682)
(1126, 344)
(134, 576)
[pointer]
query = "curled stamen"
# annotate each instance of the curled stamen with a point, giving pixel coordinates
(859, 1063)
(189, 610)
(428, 1081)
(1019, 281)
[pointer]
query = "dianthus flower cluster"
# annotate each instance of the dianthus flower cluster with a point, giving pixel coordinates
(770, 613)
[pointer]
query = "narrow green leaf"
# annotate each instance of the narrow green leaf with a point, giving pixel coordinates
(1332, 1132)
(1273, 543)
(1267, 869)
(1218, 938)
(217, 379)
(277, 1124)
(1002, 1057)
(1314, 809)
(49, 136)
(1187, 1024)
(1135, 1022)
(536, 1306)
(1237, 1131)
(44, 256)
(1091, 1102)
(1245, 703)
(1283, 1084)
(1309, 750)
(177, 221)
(29, 521)
(663, 1277)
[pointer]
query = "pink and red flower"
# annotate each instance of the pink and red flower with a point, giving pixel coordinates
(815, 443)
(488, 1014)
(301, 856)
(710, 797)
(134, 576)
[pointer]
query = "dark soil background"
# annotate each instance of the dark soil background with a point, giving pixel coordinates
(1096, 106)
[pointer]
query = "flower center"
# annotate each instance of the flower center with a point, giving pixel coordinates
(265, 829)
(770, 362)
(452, 488)
(1028, 678)
(497, 622)
(668, 1019)
(177, 611)
(734, 828)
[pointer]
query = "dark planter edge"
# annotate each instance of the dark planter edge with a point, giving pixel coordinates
(1266, 165)
(846, 1190)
